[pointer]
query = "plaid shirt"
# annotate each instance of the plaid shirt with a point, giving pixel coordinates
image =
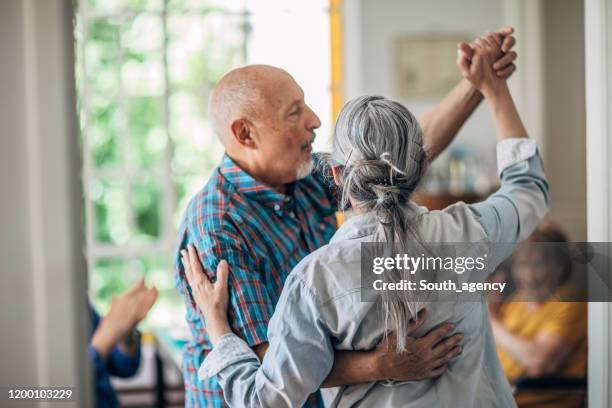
(262, 234)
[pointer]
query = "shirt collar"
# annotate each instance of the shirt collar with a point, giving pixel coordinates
(252, 188)
(356, 226)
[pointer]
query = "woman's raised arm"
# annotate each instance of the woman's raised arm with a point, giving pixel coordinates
(479, 71)
(511, 213)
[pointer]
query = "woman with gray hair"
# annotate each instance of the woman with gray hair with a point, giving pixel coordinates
(377, 161)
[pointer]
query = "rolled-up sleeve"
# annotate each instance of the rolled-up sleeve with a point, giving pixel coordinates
(299, 357)
(231, 349)
(512, 212)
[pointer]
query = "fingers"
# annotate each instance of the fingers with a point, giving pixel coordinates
(153, 293)
(186, 265)
(194, 261)
(496, 38)
(508, 43)
(193, 269)
(454, 352)
(506, 72)
(437, 334)
(435, 373)
(445, 346)
(222, 273)
(478, 43)
(153, 297)
(464, 58)
(487, 42)
(505, 31)
(464, 67)
(144, 293)
(195, 273)
(137, 286)
(415, 324)
(140, 282)
(465, 51)
(147, 301)
(505, 60)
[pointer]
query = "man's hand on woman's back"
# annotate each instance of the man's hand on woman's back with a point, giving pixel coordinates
(424, 358)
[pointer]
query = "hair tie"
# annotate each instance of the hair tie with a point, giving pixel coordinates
(385, 181)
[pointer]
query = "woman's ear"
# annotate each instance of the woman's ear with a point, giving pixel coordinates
(336, 173)
(242, 133)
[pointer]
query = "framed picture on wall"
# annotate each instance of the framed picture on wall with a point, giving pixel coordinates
(425, 66)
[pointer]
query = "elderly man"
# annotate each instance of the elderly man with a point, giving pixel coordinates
(264, 209)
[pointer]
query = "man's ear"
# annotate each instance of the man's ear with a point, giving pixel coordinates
(336, 173)
(242, 133)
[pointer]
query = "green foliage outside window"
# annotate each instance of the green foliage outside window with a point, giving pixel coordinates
(144, 72)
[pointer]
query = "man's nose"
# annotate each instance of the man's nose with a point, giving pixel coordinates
(313, 120)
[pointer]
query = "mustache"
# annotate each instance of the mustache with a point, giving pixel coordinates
(306, 144)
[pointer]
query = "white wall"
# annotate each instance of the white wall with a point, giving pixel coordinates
(564, 112)
(303, 49)
(548, 86)
(550, 92)
(43, 275)
(371, 26)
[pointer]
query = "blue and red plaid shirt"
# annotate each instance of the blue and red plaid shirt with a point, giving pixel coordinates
(262, 234)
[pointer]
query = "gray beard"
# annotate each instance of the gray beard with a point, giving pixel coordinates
(304, 169)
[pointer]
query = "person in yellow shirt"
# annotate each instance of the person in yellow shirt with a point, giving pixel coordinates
(536, 334)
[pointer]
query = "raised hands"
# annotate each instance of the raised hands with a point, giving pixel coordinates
(479, 62)
(478, 59)
(126, 311)
(504, 65)
(130, 308)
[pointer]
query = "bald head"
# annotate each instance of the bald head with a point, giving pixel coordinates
(264, 123)
(242, 93)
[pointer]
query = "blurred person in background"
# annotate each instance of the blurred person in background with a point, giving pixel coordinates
(114, 347)
(538, 331)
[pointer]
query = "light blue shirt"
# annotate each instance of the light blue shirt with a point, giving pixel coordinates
(320, 309)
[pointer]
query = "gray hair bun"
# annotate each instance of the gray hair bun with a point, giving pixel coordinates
(379, 144)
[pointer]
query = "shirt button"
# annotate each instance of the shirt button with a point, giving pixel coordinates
(287, 199)
(276, 207)
(292, 214)
(322, 227)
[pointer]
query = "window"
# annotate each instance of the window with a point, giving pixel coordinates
(144, 71)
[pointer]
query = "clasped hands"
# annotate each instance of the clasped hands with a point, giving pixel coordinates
(488, 60)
